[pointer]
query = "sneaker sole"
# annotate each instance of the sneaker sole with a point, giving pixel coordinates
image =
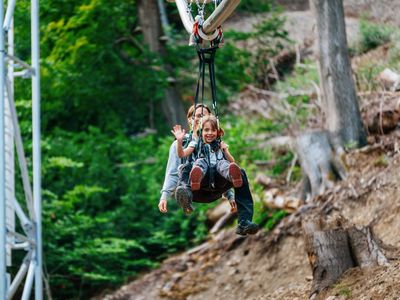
(244, 232)
(236, 175)
(253, 230)
(195, 178)
(182, 197)
(239, 232)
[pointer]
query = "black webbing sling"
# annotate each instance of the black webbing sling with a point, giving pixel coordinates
(206, 57)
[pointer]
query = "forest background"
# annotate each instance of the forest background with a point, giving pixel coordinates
(105, 138)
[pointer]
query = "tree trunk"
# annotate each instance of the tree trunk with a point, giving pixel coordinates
(320, 156)
(320, 152)
(333, 248)
(341, 107)
(149, 19)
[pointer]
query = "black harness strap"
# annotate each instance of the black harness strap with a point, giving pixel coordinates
(207, 57)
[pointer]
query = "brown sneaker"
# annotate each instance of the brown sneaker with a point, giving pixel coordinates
(236, 175)
(196, 175)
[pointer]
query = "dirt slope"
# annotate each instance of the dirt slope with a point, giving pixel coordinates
(275, 266)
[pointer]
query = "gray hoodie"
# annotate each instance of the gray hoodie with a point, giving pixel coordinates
(171, 175)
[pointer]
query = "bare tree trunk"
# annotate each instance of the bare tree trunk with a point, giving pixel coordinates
(334, 248)
(149, 19)
(341, 110)
(320, 152)
(320, 156)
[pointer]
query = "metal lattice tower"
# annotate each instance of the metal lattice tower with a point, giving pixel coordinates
(29, 214)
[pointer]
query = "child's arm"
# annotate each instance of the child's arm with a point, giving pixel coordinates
(179, 134)
(228, 155)
(183, 152)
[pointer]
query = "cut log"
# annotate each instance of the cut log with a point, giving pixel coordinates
(224, 220)
(268, 182)
(334, 249)
(221, 212)
(274, 198)
(264, 180)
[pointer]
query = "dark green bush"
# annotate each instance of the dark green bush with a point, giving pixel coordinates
(102, 174)
(372, 35)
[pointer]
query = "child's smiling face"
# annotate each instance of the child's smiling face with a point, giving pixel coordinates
(209, 133)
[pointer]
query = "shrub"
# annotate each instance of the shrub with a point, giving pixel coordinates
(373, 35)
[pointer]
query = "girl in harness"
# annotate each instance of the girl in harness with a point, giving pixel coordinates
(177, 178)
(211, 154)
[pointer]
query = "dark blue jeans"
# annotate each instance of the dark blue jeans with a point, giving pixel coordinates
(207, 194)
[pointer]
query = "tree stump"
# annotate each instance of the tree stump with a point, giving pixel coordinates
(333, 248)
(364, 247)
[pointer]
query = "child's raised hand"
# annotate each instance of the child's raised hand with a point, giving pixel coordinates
(178, 132)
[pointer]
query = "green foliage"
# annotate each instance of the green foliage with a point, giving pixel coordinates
(342, 290)
(240, 135)
(100, 199)
(301, 78)
(269, 38)
(231, 65)
(368, 71)
(372, 35)
(304, 77)
(101, 176)
(100, 210)
(276, 217)
(232, 71)
(234, 65)
(255, 6)
(94, 67)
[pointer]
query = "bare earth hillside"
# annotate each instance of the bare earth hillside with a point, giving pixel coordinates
(274, 265)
